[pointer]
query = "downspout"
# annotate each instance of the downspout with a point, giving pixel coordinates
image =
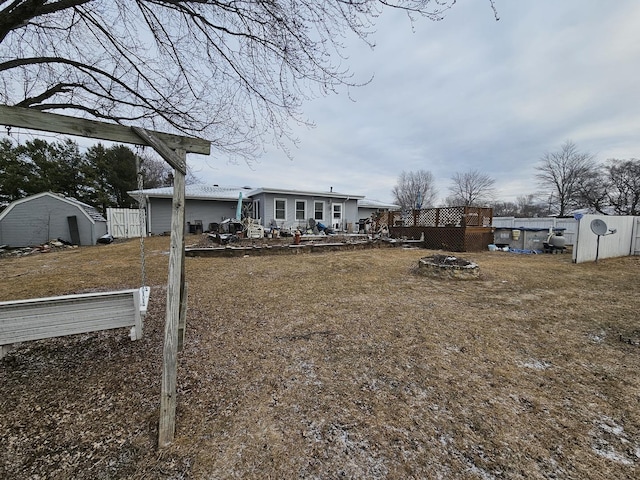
(147, 220)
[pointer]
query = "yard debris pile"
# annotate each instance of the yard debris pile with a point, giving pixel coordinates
(336, 365)
(51, 245)
(213, 245)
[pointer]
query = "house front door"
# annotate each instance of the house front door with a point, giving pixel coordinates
(336, 216)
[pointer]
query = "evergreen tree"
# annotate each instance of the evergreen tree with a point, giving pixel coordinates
(111, 173)
(14, 173)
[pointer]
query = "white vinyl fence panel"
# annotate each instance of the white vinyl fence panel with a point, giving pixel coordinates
(618, 244)
(125, 222)
(636, 237)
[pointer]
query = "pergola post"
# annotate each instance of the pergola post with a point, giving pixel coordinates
(167, 422)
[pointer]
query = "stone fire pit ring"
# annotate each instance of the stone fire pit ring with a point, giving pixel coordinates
(448, 266)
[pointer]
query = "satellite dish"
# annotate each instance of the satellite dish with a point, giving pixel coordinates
(599, 227)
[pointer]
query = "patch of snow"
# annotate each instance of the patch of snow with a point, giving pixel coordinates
(598, 337)
(603, 446)
(606, 450)
(614, 429)
(481, 472)
(535, 364)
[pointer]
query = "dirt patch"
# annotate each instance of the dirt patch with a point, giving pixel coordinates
(336, 365)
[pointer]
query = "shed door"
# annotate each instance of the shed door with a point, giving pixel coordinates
(118, 224)
(73, 229)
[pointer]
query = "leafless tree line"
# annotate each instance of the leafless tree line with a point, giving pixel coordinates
(568, 178)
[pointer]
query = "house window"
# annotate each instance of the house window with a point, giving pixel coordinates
(318, 211)
(280, 209)
(301, 210)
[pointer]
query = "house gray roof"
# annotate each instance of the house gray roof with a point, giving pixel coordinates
(370, 203)
(282, 191)
(217, 192)
(197, 192)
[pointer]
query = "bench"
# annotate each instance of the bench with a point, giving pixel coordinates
(39, 318)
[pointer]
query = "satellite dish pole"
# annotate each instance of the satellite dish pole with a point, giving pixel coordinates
(599, 227)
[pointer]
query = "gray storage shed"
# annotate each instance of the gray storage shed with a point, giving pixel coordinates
(39, 218)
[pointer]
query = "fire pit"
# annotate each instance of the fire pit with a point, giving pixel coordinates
(448, 266)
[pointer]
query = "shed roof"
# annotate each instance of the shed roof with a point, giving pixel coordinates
(90, 212)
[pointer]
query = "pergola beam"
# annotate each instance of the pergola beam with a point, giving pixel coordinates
(170, 156)
(52, 122)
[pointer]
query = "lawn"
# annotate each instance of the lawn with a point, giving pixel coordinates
(334, 365)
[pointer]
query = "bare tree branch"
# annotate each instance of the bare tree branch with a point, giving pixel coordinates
(233, 71)
(562, 172)
(471, 188)
(415, 190)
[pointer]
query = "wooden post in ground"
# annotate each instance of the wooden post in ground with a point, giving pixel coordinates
(167, 423)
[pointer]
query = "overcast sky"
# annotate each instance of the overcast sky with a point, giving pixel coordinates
(468, 93)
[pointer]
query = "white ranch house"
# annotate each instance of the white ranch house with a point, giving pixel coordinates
(209, 204)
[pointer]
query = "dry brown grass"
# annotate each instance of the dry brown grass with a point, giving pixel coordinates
(336, 365)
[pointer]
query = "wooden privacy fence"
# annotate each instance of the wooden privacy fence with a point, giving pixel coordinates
(36, 319)
(457, 229)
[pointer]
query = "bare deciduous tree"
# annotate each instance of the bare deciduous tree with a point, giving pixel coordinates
(229, 71)
(623, 186)
(415, 190)
(526, 206)
(563, 172)
(471, 188)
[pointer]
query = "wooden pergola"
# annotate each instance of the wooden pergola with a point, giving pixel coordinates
(173, 149)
